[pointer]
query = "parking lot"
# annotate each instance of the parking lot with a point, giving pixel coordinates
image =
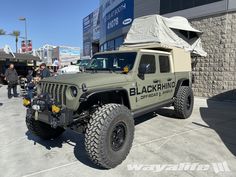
(206, 141)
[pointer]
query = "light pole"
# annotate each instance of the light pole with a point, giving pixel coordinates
(26, 42)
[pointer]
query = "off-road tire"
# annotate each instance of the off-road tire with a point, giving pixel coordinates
(98, 142)
(40, 129)
(184, 102)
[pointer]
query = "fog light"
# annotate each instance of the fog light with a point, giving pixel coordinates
(26, 102)
(55, 109)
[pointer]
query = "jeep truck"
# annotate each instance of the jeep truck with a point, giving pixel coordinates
(102, 101)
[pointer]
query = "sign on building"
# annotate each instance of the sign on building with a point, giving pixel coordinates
(91, 31)
(68, 54)
(116, 14)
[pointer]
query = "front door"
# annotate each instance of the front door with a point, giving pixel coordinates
(157, 84)
(144, 91)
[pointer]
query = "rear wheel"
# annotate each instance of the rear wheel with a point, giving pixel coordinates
(184, 102)
(41, 129)
(109, 135)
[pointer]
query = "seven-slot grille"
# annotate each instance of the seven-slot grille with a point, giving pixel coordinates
(56, 91)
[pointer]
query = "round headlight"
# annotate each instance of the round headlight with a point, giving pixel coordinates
(73, 91)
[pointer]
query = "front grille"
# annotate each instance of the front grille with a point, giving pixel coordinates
(56, 91)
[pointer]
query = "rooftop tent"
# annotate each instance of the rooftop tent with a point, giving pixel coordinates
(175, 31)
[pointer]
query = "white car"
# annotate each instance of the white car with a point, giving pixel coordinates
(72, 69)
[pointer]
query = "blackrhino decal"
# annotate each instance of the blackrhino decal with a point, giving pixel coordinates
(152, 88)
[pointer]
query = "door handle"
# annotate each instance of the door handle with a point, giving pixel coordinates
(169, 79)
(156, 81)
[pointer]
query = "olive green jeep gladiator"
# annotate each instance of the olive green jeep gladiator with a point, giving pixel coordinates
(103, 101)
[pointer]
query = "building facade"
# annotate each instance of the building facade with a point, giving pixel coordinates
(215, 75)
(62, 55)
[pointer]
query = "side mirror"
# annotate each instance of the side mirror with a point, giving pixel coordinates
(142, 70)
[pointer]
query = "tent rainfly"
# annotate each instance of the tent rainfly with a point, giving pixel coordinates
(175, 31)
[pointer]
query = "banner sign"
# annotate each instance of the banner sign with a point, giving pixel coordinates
(91, 31)
(96, 25)
(25, 48)
(69, 54)
(116, 14)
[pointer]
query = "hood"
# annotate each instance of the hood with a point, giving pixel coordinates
(90, 79)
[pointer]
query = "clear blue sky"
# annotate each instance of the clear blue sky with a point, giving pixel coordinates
(56, 22)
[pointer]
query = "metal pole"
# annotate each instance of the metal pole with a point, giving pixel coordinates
(26, 42)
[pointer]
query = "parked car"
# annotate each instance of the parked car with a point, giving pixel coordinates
(103, 101)
(72, 69)
(84, 62)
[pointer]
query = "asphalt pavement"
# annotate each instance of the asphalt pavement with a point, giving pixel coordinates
(201, 146)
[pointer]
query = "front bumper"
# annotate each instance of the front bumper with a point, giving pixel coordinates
(41, 110)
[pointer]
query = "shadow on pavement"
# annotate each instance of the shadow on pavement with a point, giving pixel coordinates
(221, 117)
(68, 137)
(77, 140)
(166, 112)
(144, 118)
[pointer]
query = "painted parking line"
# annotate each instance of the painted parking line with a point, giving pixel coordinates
(167, 137)
(50, 169)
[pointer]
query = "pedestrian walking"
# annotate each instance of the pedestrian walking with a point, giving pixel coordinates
(11, 77)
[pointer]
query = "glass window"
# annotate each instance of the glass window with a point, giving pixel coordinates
(113, 61)
(149, 62)
(118, 42)
(168, 6)
(111, 45)
(188, 34)
(105, 47)
(102, 48)
(164, 62)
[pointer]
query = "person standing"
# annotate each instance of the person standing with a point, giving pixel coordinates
(30, 84)
(1, 103)
(11, 77)
(44, 71)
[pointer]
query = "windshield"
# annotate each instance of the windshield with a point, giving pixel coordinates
(113, 61)
(84, 62)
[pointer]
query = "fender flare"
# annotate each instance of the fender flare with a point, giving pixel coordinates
(179, 84)
(86, 95)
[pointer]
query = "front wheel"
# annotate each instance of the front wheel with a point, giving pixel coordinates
(41, 129)
(184, 102)
(109, 135)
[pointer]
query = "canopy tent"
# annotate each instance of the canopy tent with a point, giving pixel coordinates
(18, 56)
(175, 31)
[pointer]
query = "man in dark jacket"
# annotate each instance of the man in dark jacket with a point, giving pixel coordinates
(44, 71)
(11, 77)
(1, 103)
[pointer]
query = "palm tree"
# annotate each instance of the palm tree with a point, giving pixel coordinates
(2, 32)
(16, 34)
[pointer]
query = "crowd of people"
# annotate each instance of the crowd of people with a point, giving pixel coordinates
(11, 77)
